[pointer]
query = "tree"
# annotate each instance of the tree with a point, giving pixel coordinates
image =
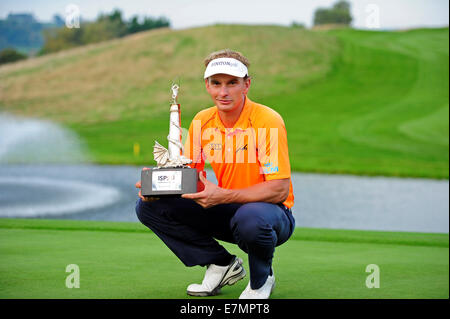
(106, 27)
(10, 55)
(342, 5)
(147, 24)
(57, 39)
(338, 14)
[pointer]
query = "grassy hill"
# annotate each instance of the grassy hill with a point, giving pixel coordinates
(359, 102)
(126, 260)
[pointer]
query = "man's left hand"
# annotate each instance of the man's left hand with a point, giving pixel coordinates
(212, 195)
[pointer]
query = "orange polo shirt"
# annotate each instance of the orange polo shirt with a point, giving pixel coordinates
(254, 150)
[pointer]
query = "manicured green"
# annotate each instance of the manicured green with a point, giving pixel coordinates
(383, 109)
(358, 102)
(125, 260)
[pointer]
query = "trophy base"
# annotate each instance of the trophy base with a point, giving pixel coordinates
(169, 182)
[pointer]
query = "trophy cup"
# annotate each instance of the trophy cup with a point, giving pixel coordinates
(172, 176)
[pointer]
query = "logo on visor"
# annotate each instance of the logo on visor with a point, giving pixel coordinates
(217, 63)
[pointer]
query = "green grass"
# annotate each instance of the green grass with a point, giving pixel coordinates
(382, 110)
(356, 102)
(125, 260)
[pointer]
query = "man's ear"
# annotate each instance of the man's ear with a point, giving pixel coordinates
(207, 82)
(247, 83)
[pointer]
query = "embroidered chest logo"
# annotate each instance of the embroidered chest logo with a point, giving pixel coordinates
(215, 146)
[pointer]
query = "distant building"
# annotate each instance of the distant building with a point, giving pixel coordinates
(25, 18)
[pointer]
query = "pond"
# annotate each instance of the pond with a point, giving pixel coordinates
(103, 192)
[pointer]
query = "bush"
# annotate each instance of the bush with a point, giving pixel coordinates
(298, 25)
(10, 55)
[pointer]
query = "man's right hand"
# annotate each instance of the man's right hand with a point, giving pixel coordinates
(145, 199)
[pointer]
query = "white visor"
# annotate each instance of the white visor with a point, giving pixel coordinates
(226, 66)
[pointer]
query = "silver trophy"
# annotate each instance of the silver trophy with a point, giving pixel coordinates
(172, 176)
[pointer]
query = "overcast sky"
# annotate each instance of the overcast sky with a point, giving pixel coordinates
(388, 14)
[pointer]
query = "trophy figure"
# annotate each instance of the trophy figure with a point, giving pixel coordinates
(172, 176)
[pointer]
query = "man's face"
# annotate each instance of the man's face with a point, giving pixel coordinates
(227, 91)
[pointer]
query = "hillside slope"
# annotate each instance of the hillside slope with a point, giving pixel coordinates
(354, 102)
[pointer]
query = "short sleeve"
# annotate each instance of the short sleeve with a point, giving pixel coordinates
(273, 153)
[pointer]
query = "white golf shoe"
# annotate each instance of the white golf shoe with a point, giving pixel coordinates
(261, 293)
(216, 277)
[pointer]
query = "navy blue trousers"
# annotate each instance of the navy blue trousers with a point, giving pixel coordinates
(190, 231)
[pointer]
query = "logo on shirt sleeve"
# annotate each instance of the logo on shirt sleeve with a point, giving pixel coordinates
(269, 168)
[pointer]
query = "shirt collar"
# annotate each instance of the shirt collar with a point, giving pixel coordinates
(243, 121)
